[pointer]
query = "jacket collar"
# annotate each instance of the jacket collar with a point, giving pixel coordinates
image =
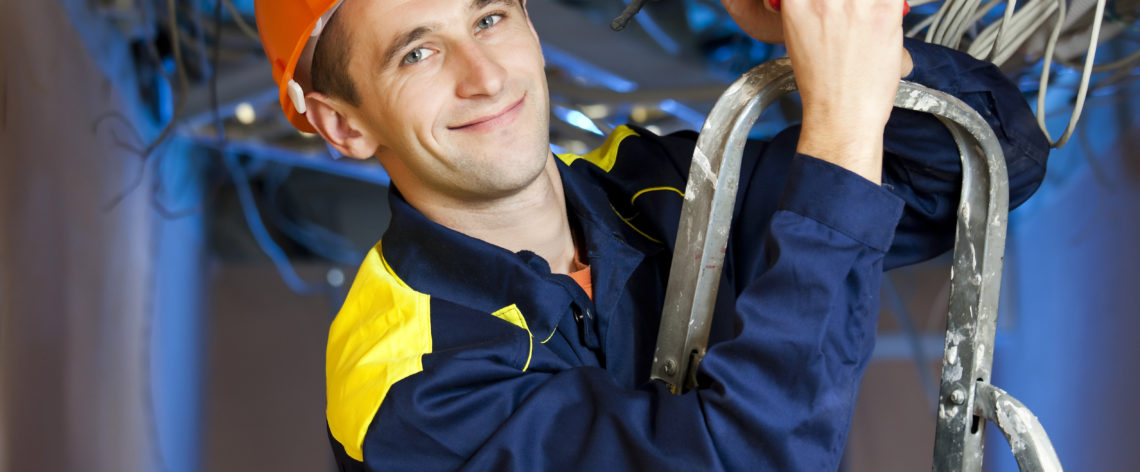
(449, 265)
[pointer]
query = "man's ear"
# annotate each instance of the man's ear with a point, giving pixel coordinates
(332, 119)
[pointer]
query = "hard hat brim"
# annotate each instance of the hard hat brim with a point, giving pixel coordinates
(299, 121)
(294, 23)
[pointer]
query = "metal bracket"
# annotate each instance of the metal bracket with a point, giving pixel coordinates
(1026, 436)
(702, 239)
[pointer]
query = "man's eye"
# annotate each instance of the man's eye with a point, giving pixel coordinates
(488, 21)
(417, 55)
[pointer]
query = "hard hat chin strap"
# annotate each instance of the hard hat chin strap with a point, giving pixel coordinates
(296, 93)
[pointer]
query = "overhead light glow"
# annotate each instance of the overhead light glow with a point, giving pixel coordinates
(245, 113)
(596, 112)
(639, 114)
(335, 277)
(576, 118)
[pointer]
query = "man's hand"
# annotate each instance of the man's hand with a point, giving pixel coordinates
(848, 57)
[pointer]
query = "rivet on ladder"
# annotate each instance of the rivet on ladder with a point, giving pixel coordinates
(958, 397)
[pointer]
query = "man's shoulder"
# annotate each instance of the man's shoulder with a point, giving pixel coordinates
(383, 312)
(629, 151)
(643, 176)
(388, 333)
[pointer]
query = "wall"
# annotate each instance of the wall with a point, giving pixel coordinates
(77, 276)
(1071, 355)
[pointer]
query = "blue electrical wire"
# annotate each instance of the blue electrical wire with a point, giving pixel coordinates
(314, 237)
(261, 234)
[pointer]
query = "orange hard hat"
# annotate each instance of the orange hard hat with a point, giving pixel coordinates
(287, 28)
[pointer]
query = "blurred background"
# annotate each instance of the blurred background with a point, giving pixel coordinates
(172, 251)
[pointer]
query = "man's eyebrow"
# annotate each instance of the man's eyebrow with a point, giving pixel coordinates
(404, 40)
(480, 4)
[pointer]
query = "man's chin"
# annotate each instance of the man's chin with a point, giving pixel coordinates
(507, 178)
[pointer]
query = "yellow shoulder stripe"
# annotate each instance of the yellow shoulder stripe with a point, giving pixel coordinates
(606, 155)
(379, 337)
(512, 315)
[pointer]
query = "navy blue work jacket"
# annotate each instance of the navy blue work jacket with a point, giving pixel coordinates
(451, 353)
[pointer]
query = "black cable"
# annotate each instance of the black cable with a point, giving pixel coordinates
(253, 217)
(183, 86)
(219, 126)
(626, 15)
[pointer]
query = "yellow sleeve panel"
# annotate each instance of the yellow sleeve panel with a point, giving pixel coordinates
(379, 338)
(605, 156)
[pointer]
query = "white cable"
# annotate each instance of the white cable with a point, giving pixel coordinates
(938, 20)
(986, 43)
(953, 9)
(1003, 38)
(1023, 25)
(922, 24)
(1118, 64)
(1043, 85)
(953, 21)
(1006, 19)
(1086, 74)
(1025, 29)
(979, 13)
(963, 22)
(984, 10)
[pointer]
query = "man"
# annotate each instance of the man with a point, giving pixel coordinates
(508, 317)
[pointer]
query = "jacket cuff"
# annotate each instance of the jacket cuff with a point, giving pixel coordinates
(842, 201)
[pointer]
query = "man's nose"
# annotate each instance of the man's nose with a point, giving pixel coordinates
(480, 74)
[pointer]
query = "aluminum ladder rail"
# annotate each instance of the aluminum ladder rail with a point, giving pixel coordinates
(966, 395)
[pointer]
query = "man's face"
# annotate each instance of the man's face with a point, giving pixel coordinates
(454, 92)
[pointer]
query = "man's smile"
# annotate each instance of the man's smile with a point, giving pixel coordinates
(492, 121)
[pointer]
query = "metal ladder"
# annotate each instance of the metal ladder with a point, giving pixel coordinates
(966, 397)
